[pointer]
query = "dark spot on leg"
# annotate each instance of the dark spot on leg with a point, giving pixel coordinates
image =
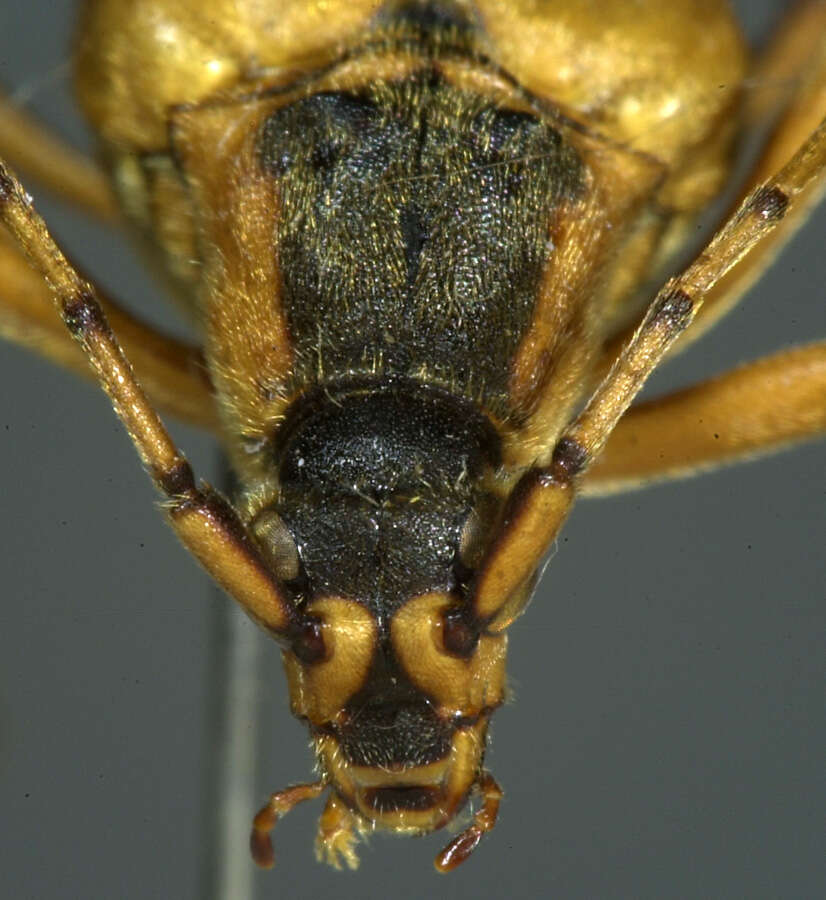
(521, 494)
(223, 514)
(6, 185)
(83, 314)
(768, 203)
(178, 481)
(672, 310)
(568, 459)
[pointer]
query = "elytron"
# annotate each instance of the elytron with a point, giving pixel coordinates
(416, 239)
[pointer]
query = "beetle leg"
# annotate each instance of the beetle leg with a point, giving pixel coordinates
(336, 838)
(206, 524)
(542, 499)
(279, 805)
(677, 304)
(26, 144)
(757, 408)
(460, 848)
(804, 69)
(790, 88)
(784, 68)
(171, 372)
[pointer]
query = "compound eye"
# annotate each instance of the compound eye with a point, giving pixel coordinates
(477, 530)
(308, 644)
(471, 541)
(277, 545)
(460, 636)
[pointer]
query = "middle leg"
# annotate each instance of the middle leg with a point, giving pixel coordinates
(171, 372)
(756, 409)
(205, 523)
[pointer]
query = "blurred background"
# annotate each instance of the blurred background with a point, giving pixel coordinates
(666, 733)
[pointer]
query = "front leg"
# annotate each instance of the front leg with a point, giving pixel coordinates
(204, 522)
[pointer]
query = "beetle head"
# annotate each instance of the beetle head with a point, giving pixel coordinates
(397, 696)
(398, 718)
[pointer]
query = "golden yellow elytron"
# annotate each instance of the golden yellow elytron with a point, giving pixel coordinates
(415, 239)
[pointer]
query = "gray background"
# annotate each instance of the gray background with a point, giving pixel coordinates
(666, 737)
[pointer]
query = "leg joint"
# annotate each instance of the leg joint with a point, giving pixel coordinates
(178, 481)
(673, 310)
(83, 315)
(6, 185)
(568, 460)
(768, 203)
